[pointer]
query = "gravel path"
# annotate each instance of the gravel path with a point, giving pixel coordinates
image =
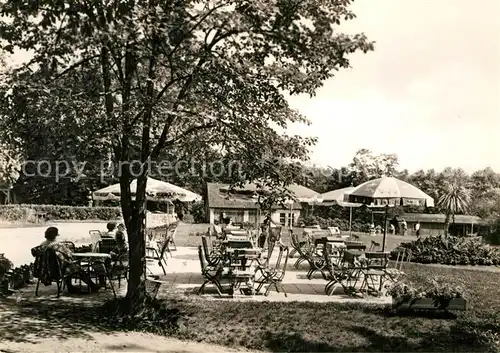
(25, 330)
(117, 342)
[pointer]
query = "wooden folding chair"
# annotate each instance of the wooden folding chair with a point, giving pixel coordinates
(338, 273)
(210, 273)
(152, 254)
(273, 275)
(211, 256)
(375, 246)
(48, 268)
(316, 263)
(374, 269)
(300, 247)
(395, 269)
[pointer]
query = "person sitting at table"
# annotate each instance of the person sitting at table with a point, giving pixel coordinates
(111, 226)
(69, 266)
(121, 228)
(121, 248)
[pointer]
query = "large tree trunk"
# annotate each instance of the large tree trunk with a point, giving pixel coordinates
(136, 230)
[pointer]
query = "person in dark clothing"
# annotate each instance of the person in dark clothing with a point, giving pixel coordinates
(69, 266)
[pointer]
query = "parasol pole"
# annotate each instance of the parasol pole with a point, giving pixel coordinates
(385, 227)
(350, 221)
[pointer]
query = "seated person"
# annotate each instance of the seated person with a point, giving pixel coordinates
(111, 226)
(69, 267)
(121, 228)
(121, 248)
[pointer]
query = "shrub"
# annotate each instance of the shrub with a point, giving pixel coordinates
(5, 265)
(188, 218)
(83, 248)
(57, 212)
(451, 251)
(492, 237)
(198, 212)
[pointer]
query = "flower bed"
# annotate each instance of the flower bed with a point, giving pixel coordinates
(433, 295)
(451, 251)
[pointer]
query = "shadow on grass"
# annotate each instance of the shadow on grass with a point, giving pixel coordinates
(32, 320)
(360, 338)
(278, 327)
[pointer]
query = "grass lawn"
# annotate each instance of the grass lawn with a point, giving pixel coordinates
(187, 236)
(327, 327)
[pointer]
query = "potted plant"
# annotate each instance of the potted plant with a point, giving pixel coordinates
(435, 295)
(5, 266)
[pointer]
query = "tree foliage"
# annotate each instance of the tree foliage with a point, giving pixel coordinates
(167, 73)
(366, 166)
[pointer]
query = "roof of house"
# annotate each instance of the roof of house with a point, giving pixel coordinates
(219, 196)
(440, 218)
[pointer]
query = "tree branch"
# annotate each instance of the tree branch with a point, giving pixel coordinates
(188, 132)
(74, 66)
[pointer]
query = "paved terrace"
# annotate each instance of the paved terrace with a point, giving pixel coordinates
(184, 278)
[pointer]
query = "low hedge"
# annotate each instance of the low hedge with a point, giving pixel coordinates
(29, 213)
(451, 251)
(342, 224)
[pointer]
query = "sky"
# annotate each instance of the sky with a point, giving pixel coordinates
(430, 92)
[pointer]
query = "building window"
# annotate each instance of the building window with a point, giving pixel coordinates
(291, 219)
(283, 219)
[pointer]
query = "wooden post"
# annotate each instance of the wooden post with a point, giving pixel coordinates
(350, 221)
(385, 227)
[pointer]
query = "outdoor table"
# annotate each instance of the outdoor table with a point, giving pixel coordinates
(330, 240)
(92, 255)
(243, 237)
(241, 266)
(239, 232)
(237, 243)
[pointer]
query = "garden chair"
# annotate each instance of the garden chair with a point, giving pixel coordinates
(395, 269)
(170, 237)
(299, 247)
(152, 285)
(152, 254)
(334, 260)
(48, 269)
(106, 245)
(374, 246)
(95, 235)
(212, 257)
(374, 269)
(164, 244)
(97, 269)
(119, 269)
(316, 262)
(211, 274)
(273, 275)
